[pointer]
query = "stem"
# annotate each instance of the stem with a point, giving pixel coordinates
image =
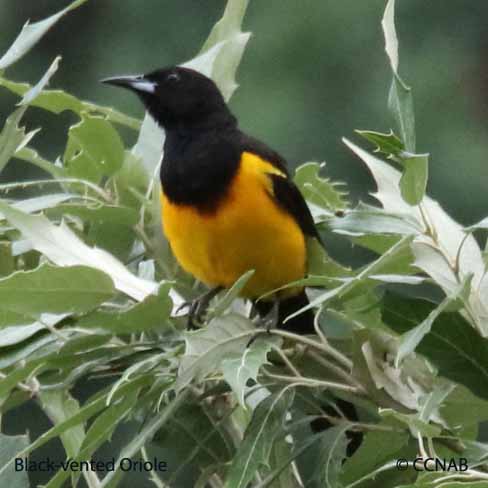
(302, 381)
(327, 348)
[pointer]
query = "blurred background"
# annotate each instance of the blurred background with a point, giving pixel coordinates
(312, 73)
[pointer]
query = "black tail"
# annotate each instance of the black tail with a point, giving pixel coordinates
(301, 324)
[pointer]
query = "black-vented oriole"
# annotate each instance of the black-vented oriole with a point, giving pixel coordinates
(228, 203)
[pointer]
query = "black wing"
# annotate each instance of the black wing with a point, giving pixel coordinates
(286, 193)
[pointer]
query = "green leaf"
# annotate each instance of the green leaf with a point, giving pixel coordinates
(376, 267)
(12, 137)
(366, 219)
(463, 412)
(65, 248)
(34, 92)
(452, 345)
(231, 294)
(411, 339)
(332, 452)
(49, 289)
(151, 313)
(60, 406)
(94, 149)
(202, 442)
(85, 412)
(31, 34)
(207, 348)
(255, 449)
(228, 42)
(400, 99)
(377, 448)
(238, 369)
(318, 190)
(145, 435)
(10, 447)
(413, 182)
(100, 430)
(36, 204)
(388, 144)
(18, 333)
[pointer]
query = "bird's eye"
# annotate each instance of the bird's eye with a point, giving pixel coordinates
(173, 78)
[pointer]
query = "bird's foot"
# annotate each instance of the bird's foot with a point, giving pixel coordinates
(198, 307)
(268, 322)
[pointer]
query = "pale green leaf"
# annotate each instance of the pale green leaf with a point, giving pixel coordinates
(34, 92)
(57, 101)
(332, 452)
(400, 99)
(411, 339)
(206, 348)
(94, 149)
(50, 289)
(413, 182)
(319, 190)
(151, 313)
(255, 449)
(60, 406)
(31, 34)
(63, 247)
(238, 369)
(10, 446)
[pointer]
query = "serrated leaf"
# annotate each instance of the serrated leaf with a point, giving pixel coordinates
(228, 32)
(50, 289)
(442, 249)
(206, 348)
(452, 345)
(10, 446)
(31, 34)
(151, 313)
(57, 101)
(238, 369)
(413, 182)
(34, 92)
(318, 190)
(254, 450)
(411, 339)
(94, 149)
(388, 144)
(64, 248)
(11, 137)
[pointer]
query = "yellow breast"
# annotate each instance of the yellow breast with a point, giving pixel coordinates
(247, 231)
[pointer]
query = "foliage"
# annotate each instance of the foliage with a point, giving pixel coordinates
(89, 290)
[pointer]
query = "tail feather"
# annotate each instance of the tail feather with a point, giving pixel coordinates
(301, 324)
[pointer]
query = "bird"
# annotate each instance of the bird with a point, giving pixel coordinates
(228, 202)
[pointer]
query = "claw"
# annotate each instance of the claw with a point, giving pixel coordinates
(198, 307)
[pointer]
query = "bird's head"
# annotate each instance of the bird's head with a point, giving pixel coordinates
(178, 98)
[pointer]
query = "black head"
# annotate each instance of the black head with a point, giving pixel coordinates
(179, 98)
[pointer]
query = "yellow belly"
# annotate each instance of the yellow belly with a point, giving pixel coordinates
(248, 231)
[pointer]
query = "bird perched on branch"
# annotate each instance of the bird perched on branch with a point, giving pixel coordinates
(228, 203)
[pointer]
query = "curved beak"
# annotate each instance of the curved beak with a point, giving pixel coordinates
(137, 83)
